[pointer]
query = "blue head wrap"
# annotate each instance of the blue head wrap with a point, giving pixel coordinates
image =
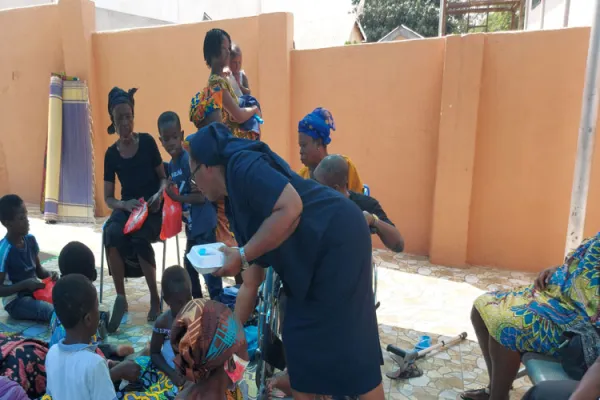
(215, 145)
(318, 125)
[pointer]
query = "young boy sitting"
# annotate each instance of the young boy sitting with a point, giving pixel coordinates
(77, 258)
(202, 221)
(20, 268)
(73, 369)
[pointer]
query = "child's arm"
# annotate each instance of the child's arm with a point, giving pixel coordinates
(156, 343)
(42, 272)
(245, 86)
(195, 197)
(28, 284)
(98, 381)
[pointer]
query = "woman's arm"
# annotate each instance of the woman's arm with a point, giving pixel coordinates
(240, 115)
(109, 197)
(278, 226)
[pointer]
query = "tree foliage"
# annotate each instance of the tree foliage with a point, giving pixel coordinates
(422, 16)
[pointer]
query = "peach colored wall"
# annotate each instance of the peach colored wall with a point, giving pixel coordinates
(385, 99)
(531, 88)
(30, 49)
(468, 142)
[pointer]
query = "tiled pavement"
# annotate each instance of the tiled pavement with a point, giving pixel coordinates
(417, 298)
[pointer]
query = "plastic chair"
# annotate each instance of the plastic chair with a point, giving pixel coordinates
(543, 368)
(164, 261)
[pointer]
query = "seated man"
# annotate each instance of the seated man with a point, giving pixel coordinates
(332, 171)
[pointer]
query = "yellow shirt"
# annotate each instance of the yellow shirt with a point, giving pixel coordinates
(354, 182)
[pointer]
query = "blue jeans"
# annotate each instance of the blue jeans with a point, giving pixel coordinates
(28, 308)
(214, 284)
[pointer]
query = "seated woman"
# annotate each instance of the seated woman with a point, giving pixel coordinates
(134, 158)
(533, 318)
(211, 350)
(217, 47)
(314, 135)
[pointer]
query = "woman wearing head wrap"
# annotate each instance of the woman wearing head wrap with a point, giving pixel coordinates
(210, 348)
(217, 46)
(134, 158)
(314, 135)
(318, 243)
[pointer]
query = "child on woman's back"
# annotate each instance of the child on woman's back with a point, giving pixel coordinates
(20, 267)
(73, 369)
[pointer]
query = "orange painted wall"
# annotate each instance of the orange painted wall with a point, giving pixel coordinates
(30, 49)
(468, 142)
(385, 100)
(530, 104)
(166, 64)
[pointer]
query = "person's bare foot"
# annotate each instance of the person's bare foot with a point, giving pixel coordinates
(119, 309)
(281, 382)
(154, 310)
(124, 350)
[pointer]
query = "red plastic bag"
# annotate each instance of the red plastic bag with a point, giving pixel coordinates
(171, 217)
(45, 294)
(137, 218)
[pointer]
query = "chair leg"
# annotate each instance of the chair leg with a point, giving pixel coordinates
(178, 253)
(164, 262)
(102, 268)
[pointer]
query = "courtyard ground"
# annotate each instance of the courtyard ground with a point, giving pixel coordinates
(417, 298)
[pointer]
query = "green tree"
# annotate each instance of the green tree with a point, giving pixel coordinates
(499, 21)
(379, 17)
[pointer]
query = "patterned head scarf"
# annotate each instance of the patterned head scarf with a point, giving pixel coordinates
(318, 125)
(203, 103)
(206, 335)
(118, 96)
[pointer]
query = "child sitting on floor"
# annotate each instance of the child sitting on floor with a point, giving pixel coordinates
(73, 369)
(20, 267)
(201, 225)
(77, 258)
(159, 374)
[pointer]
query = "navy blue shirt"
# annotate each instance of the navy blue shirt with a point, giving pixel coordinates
(18, 264)
(254, 184)
(203, 217)
(137, 174)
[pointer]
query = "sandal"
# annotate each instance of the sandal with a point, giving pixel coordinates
(476, 394)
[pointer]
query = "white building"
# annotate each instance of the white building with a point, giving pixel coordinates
(555, 14)
(317, 23)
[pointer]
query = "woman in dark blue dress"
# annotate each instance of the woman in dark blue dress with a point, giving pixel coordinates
(318, 243)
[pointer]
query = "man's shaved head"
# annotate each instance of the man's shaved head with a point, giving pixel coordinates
(332, 171)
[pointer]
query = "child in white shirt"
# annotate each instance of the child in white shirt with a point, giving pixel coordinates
(73, 369)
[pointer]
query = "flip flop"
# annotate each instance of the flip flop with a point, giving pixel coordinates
(119, 309)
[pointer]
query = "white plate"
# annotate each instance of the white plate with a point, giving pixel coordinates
(210, 261)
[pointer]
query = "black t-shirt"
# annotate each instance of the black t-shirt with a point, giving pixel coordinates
(370, 205)
(137, 174)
